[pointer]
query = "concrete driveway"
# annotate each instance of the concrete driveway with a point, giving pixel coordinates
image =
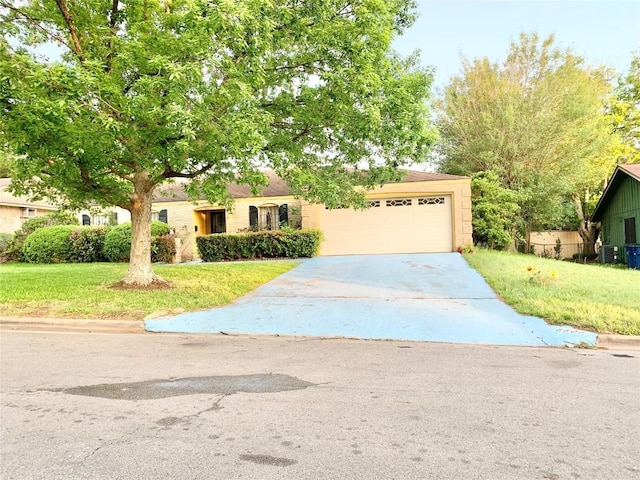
(426, 297)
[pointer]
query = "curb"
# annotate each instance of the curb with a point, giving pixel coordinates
(618, 342)
(72, 325)
(604, 341)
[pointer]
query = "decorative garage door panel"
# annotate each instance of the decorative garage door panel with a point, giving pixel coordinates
(394, 225)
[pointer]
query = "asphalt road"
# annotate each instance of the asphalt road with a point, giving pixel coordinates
(127, 406)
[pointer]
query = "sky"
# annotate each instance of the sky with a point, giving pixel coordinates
(604, 32)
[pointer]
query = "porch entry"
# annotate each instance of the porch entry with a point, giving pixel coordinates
(217, 221)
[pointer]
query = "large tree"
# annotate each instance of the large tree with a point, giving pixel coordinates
(211, 91)
(7, 161)
(624, 113)
(536, 120)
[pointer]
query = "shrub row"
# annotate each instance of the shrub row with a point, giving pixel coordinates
(117, 243)
(69, 243)
(13, 249)
(264, 244)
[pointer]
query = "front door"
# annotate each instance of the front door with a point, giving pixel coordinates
(218, 223)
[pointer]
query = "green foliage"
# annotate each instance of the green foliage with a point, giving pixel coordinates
(87, 244)
(7, 162)
(537, 121)
(13, 251)
(558, 249)
(211, 92)
(624, 114)
(5, 238)
(163, 248)
(49, 245)
(263, 244)
(117, 243)
(494, 210)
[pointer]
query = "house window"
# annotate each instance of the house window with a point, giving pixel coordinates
(28, 212)
(268, 217)
(630, 230)
(104, 219)
(160, 216)
(86, 220)
(374, 203)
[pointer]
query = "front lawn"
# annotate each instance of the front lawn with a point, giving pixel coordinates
(594, 297)
(81, 290)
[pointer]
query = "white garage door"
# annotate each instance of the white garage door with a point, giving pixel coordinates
(394, 225)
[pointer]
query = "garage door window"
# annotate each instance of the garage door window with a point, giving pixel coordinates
(431, 201)
(401, 202)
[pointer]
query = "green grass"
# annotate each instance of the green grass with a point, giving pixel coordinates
(594, 297)
(81, 290)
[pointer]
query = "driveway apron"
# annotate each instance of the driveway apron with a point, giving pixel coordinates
(426, 297)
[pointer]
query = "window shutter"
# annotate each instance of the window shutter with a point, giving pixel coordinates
(86, 220)
(283, 214)
(162, 216)
(253, 217)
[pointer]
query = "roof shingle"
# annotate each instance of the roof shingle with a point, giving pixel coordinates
(174, 192)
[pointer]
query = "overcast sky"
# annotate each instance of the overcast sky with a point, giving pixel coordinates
(602, 31)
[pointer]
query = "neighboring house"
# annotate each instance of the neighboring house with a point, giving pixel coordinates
(618, 210)
(426, 212)
(15, 210)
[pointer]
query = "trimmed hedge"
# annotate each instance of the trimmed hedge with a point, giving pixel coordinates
(87, 244)
(5, 238)
(49, 245)
(117, 243)
(13, 250)
(264, 244)
(163, 248)
(72, 244)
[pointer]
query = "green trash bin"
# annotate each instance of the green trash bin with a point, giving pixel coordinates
(633, 256)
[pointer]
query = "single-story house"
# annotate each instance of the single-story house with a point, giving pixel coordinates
(618, 210)
(15, 210)
(425, 212)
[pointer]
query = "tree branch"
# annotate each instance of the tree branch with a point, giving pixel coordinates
(171, 173)
(36, 23)
(113, 20)
(77, 48)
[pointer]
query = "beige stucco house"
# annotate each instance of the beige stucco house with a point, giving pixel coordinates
(15, 210)
(426, 212)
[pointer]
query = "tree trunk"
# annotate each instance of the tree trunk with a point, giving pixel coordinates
(587, 229)
(140, 272)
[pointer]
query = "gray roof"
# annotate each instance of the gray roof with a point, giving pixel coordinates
(174, 192)
(9, 199)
